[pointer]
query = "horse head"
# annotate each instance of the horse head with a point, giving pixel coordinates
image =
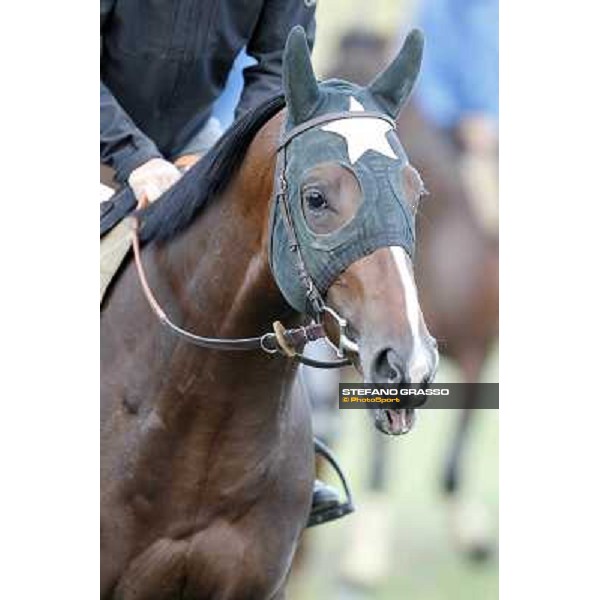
(343, 222)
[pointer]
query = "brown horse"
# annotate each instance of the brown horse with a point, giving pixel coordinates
(207, 456)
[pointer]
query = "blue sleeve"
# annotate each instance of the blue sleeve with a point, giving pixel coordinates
(460, 63)
(479, 82)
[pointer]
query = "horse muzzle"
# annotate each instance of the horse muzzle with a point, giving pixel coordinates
(389, 365)
(394, 421)
(392, 366)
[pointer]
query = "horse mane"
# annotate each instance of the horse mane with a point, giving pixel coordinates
(177, 208)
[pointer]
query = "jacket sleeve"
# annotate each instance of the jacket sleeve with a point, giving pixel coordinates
(266, 45)
(122, 145)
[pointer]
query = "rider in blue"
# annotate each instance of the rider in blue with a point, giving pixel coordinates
(458, 92)
(458, 84)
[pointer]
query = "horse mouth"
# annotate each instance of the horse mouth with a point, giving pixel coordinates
(394, 421)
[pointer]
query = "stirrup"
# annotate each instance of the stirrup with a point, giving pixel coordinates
(342, 509)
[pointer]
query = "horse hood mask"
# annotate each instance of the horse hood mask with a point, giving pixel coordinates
(339, 122)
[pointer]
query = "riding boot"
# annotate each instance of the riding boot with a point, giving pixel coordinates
(326, 502)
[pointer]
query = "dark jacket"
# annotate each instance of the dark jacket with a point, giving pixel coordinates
(164, 62)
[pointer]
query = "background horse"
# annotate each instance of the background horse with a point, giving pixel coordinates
(207, 457)
(456, 270)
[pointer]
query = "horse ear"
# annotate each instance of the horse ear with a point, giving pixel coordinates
(392, 87)
(299, 81)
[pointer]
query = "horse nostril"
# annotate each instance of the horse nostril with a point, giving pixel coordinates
(386, 367)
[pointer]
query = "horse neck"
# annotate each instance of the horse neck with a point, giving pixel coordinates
(221, 261)
(220, 284)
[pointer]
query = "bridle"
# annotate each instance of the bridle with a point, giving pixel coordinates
(284, 342)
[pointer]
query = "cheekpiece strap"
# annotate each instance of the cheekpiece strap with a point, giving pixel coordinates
(313, 296)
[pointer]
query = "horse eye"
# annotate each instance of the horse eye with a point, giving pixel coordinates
(315, 199)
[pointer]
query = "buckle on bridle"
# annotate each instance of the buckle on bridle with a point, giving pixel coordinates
(345, 344)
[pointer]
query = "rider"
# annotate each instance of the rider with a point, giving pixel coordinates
(162, 68)
(458, 91)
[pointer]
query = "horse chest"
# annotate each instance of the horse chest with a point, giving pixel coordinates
(226, 561)
(242, 551)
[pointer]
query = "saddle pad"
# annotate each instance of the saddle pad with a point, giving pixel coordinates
(114, 247)
(116, 208)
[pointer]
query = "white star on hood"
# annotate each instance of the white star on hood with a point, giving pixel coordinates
(362, 134)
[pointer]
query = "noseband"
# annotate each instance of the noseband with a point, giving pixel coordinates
(285, 342)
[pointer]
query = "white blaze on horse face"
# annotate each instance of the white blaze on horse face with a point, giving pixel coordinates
(418, 363)
(362, 134)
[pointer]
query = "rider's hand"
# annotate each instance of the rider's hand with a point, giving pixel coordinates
(187, 161)
(153, 178)
(478, 135)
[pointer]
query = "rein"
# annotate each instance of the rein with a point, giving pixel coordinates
(285, 342)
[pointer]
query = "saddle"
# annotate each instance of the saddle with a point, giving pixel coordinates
(116, 208)
(115, 235)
